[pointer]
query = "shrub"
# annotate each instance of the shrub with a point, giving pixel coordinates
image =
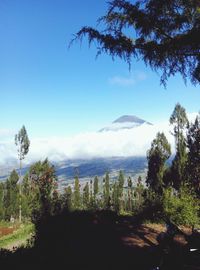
(181, 208)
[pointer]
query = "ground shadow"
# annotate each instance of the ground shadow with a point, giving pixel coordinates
(81, 240)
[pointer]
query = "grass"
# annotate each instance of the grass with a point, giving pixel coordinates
(21, 234)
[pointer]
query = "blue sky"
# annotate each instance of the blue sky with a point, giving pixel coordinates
(54, 91)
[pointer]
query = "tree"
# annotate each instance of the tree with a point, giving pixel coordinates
(107, 191)
(86, 196)
(139, 190)
(164, 34)
(43, 175)
(193, 142)
(22, 142)
(159, 152)
(179, 120)
(67, 198)
(96, 186)
(130, 194)
(120, 190)
(77, 195)
(115, 197)
(11, 197)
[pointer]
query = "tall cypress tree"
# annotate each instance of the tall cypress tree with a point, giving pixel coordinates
(107, 191)
(96, 186)
(77, 195)
(67, 198)
(180, 122)
(120, 190)
(86, 196)
(158, 154)
(130, 194)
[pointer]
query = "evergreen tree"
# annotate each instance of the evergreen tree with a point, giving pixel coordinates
(77, 195)
(86, 196)
(179, 120)
(107, 191)
(159, 152)
(96, 186)
(121, 181)
(193, 168)
(67, 198)
(130, 194)
(115, 197)
(139, 189)
(164, 34)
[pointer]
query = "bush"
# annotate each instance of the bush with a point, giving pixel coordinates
(182, 208)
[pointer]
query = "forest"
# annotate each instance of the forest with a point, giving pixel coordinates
(171, 189)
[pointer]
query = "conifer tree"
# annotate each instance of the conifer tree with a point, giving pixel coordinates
(107, 191)
(67, 198)
(96, 186)
(158, 154)
(164, 34)
(115, 196)
(180, 122)
(86, 196)
(120, 190)
(77, 195)
(193, 167)
(130, 194)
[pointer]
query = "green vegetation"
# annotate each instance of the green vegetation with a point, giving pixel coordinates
(161, 33)
(172, 190)
(22, 234)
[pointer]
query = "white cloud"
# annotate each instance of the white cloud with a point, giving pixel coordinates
(130, 142)
(126, 81)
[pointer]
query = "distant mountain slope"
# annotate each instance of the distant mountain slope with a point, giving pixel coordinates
(99, 166)
(67, 169)
(125, 122)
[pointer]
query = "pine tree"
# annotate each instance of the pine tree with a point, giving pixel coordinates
(121, 181)
(158, 154)
(67, 198)
(115, 196)
(130, 194)
(193, 167)
(107, 191)
(86, 196)
(96, 186)
(77, 195)
(179, 120)
(164, 34)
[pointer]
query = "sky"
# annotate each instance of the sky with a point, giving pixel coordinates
(57, 92)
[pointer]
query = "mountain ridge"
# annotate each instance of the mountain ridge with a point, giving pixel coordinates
(125, 122)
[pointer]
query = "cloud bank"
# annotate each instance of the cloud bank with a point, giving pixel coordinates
(129, 142)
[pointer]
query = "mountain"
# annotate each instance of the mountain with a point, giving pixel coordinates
(87, 169)
(125, 122)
